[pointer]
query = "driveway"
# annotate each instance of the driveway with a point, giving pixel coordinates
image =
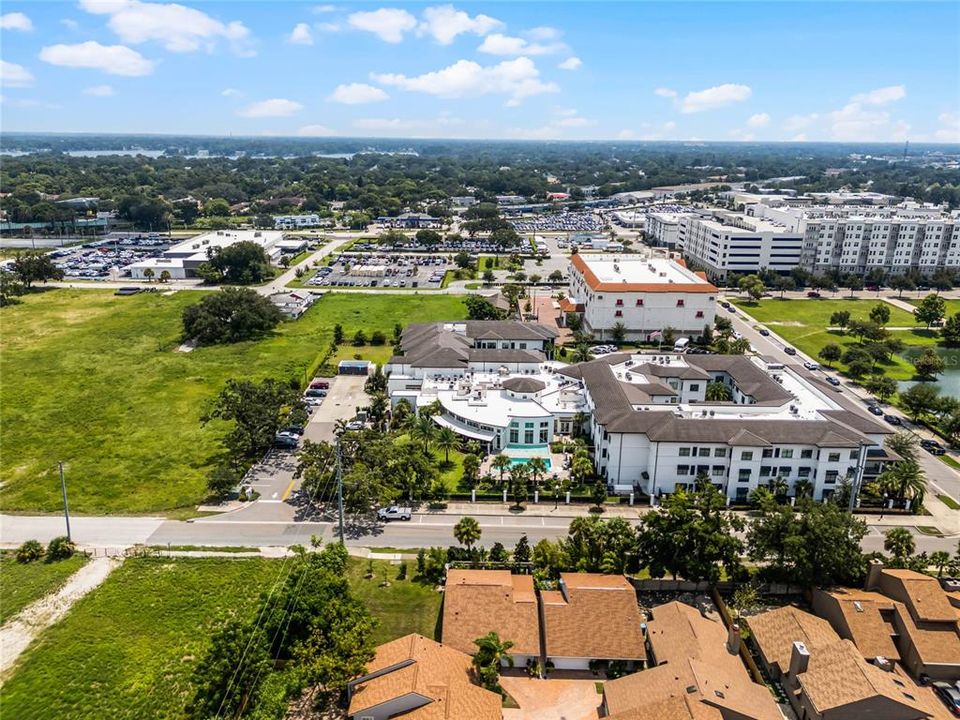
(344, 397)
(551, 699)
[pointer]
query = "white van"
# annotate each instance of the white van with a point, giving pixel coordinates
(681, 344)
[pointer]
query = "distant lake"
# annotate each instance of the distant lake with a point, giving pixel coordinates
(949, 382)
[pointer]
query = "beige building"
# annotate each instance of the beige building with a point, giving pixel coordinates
(696, 674)
(476, 602)
(416, 678)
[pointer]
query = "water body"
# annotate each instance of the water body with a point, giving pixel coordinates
(949, 382)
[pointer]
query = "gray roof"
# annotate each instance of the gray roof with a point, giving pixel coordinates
(524, 385)
(432, 345)
(508, 330)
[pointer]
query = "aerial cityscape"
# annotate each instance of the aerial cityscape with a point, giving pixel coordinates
(479, 361)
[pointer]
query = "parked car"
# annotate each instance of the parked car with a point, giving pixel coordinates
(875, 410)
(285, 440)
(313, 392)
(731, 308)
(813, 294)
(293, 429)
(724, 304)
(354, 425)
(949, 694)
(872, 288)
(811, 365)
(893, 419)
(789, 350)
(932, 447)
(833, 381)
(320, 385)
(764, 332)
(393, 513)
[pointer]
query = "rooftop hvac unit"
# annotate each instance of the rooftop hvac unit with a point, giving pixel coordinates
(194, 246)
(628, 363)
(712, 413)
(629, 376)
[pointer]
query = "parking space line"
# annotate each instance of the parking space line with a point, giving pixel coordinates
(286, 493)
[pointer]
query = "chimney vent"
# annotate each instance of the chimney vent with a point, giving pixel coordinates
(799, 659)
(733, 639)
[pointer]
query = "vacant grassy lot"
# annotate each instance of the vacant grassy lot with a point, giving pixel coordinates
(127, 650)
(804, 323)
(96, 381)
(404, 607)
(22, 584)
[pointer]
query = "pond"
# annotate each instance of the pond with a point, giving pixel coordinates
(949, 382)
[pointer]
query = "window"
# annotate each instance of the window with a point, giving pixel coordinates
(681, 303)
(833, 457)
(704, 452)
(699, 313)
(831, 477)
(684, 452)
(683, 469)
(765, 470)
(768, 452)
(619, 302)
(695, 387)
(618, 313)
(528, 437)
(804, 472)
(785, 471)
(786, 453)
(717, 470)
(719, 452)
(545, 436)
(514, 436)
(806, 454)
(639, 302)
(854, 454)
(744, 476)
(746, 455)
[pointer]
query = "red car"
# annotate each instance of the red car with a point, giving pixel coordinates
(813, 294)
(320, 385)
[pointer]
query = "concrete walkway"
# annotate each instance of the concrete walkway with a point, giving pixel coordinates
(21, 630)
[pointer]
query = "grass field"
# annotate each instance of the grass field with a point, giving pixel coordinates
(127, 650)
(953, 306)
(96, 381)
(24, 583)
(803, 323)
(404, 607)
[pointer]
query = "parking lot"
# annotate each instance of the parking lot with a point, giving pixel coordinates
(562, 222)
(475, 245)
(343, 398)
(95, 260)
(383, 270)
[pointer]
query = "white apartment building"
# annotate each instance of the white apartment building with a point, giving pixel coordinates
(292, 222)
(654, 431)
(663, 228)
(739, 243)
(645, 294)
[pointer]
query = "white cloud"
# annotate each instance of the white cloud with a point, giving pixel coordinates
(328, 27)
(444, 125)
(948, 129)
(758, 120)
(626, 134)
(517, 78)
(232, 92)
(543, 32)
(70, 24)
(650, 132)
(275, 107)
(301, 35)
(571, 63)
(323, 9)
(881, 96)
(28, 103)
(715, 97)
(740, 134)
(357, 94)
(177, 27)
(855, 122)
(111, 59)
(100, 91)
(389, 24)
(665, 93)
(444, 23)
(799, 137)
(13, 75)
(315, 131)
(795, 123)
(499, 44)
(15, 21)
(577, 121)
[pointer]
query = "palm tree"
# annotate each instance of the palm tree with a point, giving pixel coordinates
(471, 465)
(906, 480)
(717, 392)
(467, 531)
(803, 488)
(424, 430)
(899, 542)
(519, 473)
(447, 440)
(491, 653)
(579, 420)
(538, 468)
(501, 463)
(940, 559)
(778, 486)
(903, 444)
(378, 409)
(581, 354)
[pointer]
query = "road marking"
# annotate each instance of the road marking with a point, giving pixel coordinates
(274, 495)
(262, 522)
(286, 493)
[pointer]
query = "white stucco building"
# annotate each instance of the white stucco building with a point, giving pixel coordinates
(644, 294)
(183, 259)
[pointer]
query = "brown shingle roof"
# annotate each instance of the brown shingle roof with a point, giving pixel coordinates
(696, 675)
(921, 593)
(863, 613)
(477, 602)
(594, 616)
(427, 672)
(775, 631)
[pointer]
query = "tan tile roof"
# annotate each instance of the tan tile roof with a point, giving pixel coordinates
(775, 631)
(597, 617)
(837, 676)
(921, 593)
(439, 674)
(695, 668)
(477, 602)
(863, 613)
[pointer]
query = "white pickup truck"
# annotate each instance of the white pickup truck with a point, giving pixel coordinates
(393, 513)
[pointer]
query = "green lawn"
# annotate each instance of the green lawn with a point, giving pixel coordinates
(953, 306)
(406, 606)
(96, 381)
(127, 650)
(23, 583)
(803, 323)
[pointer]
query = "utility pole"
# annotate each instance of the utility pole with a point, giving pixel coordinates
(66, 507)
(339, 492)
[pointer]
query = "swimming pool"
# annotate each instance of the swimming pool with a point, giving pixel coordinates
(524, 461)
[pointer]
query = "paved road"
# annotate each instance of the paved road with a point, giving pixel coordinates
(939, 475)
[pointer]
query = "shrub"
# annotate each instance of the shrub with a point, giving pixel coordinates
(378, 338)
(60, 548)
(28, 552)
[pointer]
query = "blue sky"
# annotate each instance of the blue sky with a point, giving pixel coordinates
(882, 71)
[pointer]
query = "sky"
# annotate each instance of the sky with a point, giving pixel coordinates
(752, 71)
